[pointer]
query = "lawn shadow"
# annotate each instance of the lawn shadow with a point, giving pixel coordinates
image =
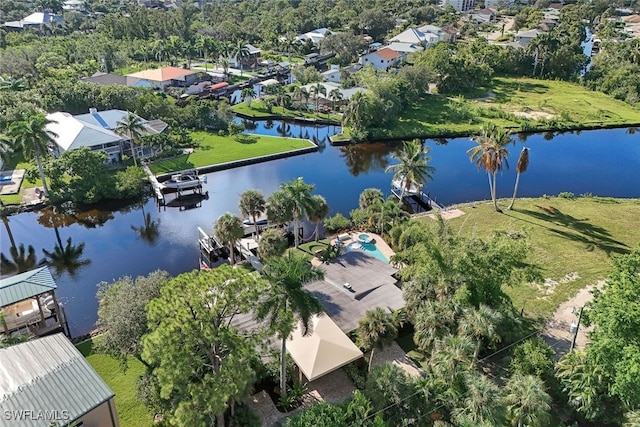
(579, 230)
(244, 138)
(507, 90)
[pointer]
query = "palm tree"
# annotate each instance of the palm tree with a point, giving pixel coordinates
(247, 94)
(317, 90)
(370, 197)
(21, 260)
(228, 229)
(300, 93)
(66, 258)
(523, 164)
(132, 127)
(240, 52)
(335, 95)
(252, 204)
(490, 154)
(528, 404)
(377, 329)
(224, 62)
(357, 112)
(13, 85)
(299, 195)
(413, 168)
(479, 324)
(174, 48)
(279, 208)
(159, 49)
(318, 212)
(273, 243)
(35, 139)
(481, 405)
(5, 148)
(287, 301)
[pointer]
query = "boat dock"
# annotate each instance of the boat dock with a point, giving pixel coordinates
(188, 192)
(414, 198)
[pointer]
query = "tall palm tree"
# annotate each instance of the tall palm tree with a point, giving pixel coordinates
(247, 94)
(252, 204)
(287, 301)
(369, 197)
(300, 93)
(33, 137)
(132, 127)
(273, 243)
(174, 48)
(160, 50)
(228, 229)
(357, 112)
(240, 52)
(523, 164)
(317, 90)
(413, 168)
(318, 212)
(279, 208)
(66, 258)
(21, 260)
(479, 324)
(481, 405)
(299, 195)
(335, 95)
(491, 155)
(528, 404)
(377, 329)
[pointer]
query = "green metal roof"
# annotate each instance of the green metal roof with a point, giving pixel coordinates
(26, 285)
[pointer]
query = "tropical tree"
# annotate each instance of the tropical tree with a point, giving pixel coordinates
(299, 195)
(357, 113)
(5, 148)
(252, 205)
(528, 404)
(279, 208)
(318, 212)
(317, 90)
(413, 169)
(287, 301)
(160, 50)
(66, 258)
(481, 405)
(301, 93)
(228, 229)
(21, 260)
(132, 127)
(33, 137)
(247, 94)
(273, 243)
(370, 197)
(523, 164)
(479, 324)
(491, 155)
(335, 95)
(240, 52)
(377, 329)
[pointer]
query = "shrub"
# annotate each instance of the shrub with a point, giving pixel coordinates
(336, 223)
(567, 195)
(245, 417)
(357, 375)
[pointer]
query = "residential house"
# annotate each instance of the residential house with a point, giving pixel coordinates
(450, 34)
(333, 74)
(404, 49)
(250, 60)
(483, 15)
(35, 20)
(73, 6)
(47, 381)
(496, 4)
(96, 130)
(460, 5)
(381, 59)
(524, 37)
(161, 78)
(316, 36)
(415, 37)
(435, 30)
(29, 304)
(108, 79)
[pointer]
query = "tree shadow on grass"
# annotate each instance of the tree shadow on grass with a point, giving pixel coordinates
(579, 230)
(507, 90)
(244, 138)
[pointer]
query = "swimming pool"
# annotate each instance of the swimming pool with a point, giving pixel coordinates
(368, 248)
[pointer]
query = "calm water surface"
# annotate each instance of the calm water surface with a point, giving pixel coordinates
(604, 162)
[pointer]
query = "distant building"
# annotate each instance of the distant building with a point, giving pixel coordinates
(107, 79)
(316, 36)
(73, 6)
(524, 37)
(333, 74)
(35, 20)
(415, 37)
(460, 5)
(48, 380)
(161, 78)
(96, 130)
(496, 4)
(381, 59)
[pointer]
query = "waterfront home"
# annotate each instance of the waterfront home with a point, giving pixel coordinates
(47, 381)
(315, 36)
(333, 74)
(35, 20)
(381, 59)
(161, 78)
(96, 130)
(28, 304)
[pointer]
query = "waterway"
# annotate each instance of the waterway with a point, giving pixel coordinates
(117, 243)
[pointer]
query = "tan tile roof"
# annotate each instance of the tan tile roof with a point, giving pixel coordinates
(388, 54)
(162, 74)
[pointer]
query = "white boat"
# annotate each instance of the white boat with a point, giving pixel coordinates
(184, 181)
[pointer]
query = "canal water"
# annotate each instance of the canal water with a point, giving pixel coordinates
(135, 240)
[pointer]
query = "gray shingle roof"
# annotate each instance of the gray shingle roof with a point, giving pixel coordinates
(25, 285)
(48, 374)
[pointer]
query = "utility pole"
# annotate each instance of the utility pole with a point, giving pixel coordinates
(575, 336)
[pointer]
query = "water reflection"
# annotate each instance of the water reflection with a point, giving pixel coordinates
(149, 232)
(362, 159)
(63, 258)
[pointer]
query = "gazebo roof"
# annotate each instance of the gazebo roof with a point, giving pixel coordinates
(26, 285)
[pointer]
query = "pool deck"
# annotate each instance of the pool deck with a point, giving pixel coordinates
(379, 243)
(11, 181)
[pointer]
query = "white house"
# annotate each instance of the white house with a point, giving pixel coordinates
(73, 6)
(381, 59)
(333, 74)
(434, 30)
(96, 130)
(460, 5)
(413, 36)
(35, 20)
(404, 49)
(316, 36)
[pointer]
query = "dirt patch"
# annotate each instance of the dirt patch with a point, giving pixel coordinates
(535, 115)
(490, 95)
(549, 285)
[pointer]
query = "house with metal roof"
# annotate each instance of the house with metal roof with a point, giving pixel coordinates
(47, 381)
(28, 304)
(35, 20)
(96, 131)
(160, 78)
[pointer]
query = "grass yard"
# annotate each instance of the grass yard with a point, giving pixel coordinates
(566, 236)
(257, 110)
(520, 104)
(18, 162)
(131, 411)
(213, 149)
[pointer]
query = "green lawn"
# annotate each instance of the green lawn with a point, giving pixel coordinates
(515, 103)
(257, 110)
(566, 236)
(213, 149)
(18, 162)
(131, 411)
